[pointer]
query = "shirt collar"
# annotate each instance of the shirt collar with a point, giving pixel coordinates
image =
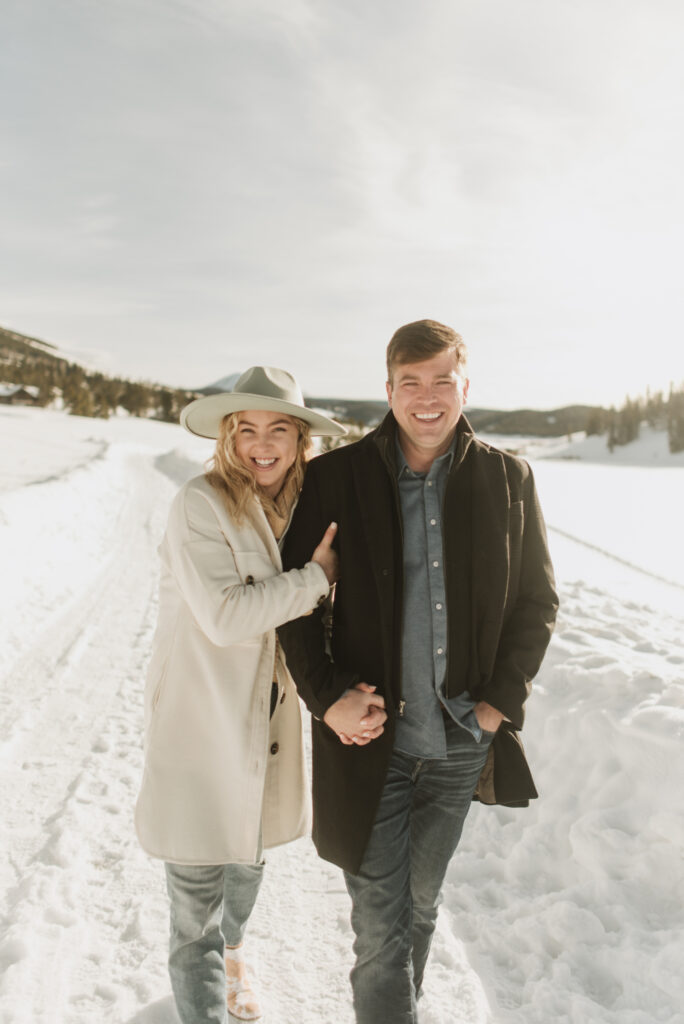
(404, 471)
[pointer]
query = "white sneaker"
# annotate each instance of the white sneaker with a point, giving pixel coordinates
(242, 1002)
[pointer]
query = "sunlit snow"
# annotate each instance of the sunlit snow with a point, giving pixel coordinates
(568, 911)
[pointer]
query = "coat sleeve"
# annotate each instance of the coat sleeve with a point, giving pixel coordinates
(227, 605)
(319, 680)
(527, 628)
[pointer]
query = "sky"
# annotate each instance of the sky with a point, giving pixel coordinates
(190, 187)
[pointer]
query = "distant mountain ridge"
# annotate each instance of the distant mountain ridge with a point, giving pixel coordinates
(59, 381)
(224, 384)
(30, 361)
(535, 422)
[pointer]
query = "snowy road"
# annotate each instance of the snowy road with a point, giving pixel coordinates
(71, 745)
(568, 911)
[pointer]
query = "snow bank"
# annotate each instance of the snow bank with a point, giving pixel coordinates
(651, 448)
(573, 907)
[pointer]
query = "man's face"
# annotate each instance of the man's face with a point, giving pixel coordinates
(427, 399)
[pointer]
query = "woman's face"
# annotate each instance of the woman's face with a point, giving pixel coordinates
(266, 444)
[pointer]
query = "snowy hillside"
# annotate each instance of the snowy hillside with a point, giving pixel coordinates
(569, 911)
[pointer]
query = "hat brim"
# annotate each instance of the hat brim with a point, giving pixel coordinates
(203, 416)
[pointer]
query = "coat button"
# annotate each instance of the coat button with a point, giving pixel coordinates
(275, 748)
(249, 580)
(282, 699)
(321, 600)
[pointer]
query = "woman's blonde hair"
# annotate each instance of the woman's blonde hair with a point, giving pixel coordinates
(236, 484)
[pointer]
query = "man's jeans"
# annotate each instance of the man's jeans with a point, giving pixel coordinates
(396, 894)
(210, 907)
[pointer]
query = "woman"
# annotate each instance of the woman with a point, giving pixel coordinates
(224, 768)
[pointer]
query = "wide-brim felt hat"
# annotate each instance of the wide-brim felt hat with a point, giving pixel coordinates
(260, 387)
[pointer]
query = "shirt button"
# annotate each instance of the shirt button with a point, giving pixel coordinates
(438, 607)
(429, 483)
(274, 748)
(435, 564)
(440, 650)
(433, 522)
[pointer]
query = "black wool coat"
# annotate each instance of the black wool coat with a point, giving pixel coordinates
(501, 607)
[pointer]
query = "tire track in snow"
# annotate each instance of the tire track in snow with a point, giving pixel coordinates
(76, 884)
(614, 558)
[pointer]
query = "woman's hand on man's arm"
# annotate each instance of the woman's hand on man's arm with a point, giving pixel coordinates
(326, 557)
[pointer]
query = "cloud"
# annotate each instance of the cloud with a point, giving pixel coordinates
(302, 178)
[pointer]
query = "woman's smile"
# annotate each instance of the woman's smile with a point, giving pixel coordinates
(266, 444)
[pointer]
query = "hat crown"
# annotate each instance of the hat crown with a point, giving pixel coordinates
(270, 382)
(260, 388)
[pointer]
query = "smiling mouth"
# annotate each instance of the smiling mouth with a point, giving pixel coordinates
(427, 417)
(264, 463)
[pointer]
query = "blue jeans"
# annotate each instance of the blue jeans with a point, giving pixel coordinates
(210, 907)
(396, 894)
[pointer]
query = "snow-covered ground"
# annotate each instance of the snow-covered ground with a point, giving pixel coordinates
(568, 911)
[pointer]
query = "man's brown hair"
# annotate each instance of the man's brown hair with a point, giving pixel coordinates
(421, 340)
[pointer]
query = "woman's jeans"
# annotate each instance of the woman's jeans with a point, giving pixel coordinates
(210, 907)
(397, 892)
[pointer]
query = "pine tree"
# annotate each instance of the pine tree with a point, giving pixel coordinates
(136, 398)
(596, 422)
(612, 429)
(655, 412)
(76, 392)
(166, 406)
(675, 419)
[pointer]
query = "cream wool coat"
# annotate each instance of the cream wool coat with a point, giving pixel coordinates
(218, 773)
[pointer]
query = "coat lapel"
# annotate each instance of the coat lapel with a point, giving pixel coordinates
(490, 544)
(377, 504)
(265, 534)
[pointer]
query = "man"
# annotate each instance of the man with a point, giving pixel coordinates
(445, 606)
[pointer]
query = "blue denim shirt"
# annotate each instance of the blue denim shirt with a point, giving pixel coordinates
(420, 730)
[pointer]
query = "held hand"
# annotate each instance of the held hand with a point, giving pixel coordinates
(358, 716)
(488, 717)
(326, 557)
(372, 724)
